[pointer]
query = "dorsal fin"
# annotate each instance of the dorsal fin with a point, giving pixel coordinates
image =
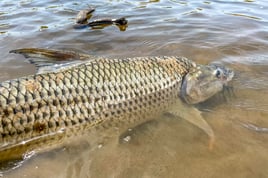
(51, 54)
(47, 60)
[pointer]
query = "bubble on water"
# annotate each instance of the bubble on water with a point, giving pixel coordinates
(28, 155)
(100, 146)
(127, 138)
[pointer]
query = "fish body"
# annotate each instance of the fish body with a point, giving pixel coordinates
(92, 93)
(88, 94)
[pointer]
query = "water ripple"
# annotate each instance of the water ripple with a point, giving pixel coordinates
(255, 127)
(244, 15)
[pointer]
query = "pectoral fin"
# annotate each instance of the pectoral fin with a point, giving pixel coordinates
(193, 116)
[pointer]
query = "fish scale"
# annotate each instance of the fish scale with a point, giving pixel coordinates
(100, 90)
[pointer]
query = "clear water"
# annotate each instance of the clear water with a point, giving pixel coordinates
(233, 32)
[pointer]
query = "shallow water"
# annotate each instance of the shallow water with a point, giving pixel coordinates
(232, 32)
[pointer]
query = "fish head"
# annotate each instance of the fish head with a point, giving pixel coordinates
(204, 81)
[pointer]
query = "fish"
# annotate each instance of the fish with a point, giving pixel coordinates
(73, 92)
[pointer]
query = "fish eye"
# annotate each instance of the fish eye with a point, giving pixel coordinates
(218, 73)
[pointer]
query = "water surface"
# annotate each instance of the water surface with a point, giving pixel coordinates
(232, 32)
